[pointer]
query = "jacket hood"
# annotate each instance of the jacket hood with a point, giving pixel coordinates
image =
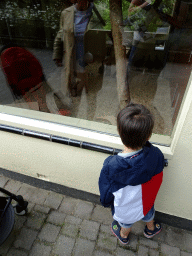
(137, 169)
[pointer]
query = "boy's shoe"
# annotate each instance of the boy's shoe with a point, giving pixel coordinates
(115, 228)
(151, 233)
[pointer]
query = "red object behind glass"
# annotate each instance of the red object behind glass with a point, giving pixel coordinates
(22, 69)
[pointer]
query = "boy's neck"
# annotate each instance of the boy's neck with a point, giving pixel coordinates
(129, 150)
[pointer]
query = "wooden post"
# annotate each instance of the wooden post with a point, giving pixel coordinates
(120, 52)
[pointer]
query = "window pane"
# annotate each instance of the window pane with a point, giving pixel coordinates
(142, 54)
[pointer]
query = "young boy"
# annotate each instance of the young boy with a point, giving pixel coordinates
(129, 182)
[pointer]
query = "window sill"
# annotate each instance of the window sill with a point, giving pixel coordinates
(73, 128)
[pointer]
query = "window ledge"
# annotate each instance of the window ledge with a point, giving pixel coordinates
(82, 133)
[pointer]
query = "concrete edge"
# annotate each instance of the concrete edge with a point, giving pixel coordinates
(79, 194)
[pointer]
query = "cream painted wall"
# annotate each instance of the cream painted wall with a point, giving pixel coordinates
(175, 196)
(66, 165)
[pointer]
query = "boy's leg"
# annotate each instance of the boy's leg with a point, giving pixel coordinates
(124, 232)
(150, 225)
(152, 229)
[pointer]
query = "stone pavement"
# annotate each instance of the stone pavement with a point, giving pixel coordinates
(60, 225)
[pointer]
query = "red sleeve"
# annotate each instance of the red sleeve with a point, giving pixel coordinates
(150, 190)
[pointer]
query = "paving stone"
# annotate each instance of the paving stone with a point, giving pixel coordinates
(89, 229)
(35, 220)
(83, 209)
(16, 252)
(64, 246)
(161, 237)
(123, 252)
(153, 252)
(53, 200)
(19, 221)
(56, 218)
(147, 242)
(100, 253)
(39, 196)
(138, 228)
(83, 247)
(105, 229)
(49, 233)
(13, 186)
(133, 242)
(73, 220)
(70, 230)
(41, 208)
(30, 206)
(186, 254)
(68, 205)
(25, 238)
(3, 181)
(107, 242)
(27, 191)
(175, 237)
(143, 251)
(40, 250)
(4, 248)
(188, 242)
(103, 215)
(33, 194)
(168, 250)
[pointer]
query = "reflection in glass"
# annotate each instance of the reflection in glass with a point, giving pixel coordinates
(155, 38)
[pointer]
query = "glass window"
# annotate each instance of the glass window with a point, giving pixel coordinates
(87, 60)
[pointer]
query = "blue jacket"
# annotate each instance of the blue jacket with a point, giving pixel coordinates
(131, 184)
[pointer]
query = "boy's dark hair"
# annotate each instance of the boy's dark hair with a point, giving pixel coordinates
(135, 124)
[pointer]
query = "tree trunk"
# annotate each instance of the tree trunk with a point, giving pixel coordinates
(120, 52)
